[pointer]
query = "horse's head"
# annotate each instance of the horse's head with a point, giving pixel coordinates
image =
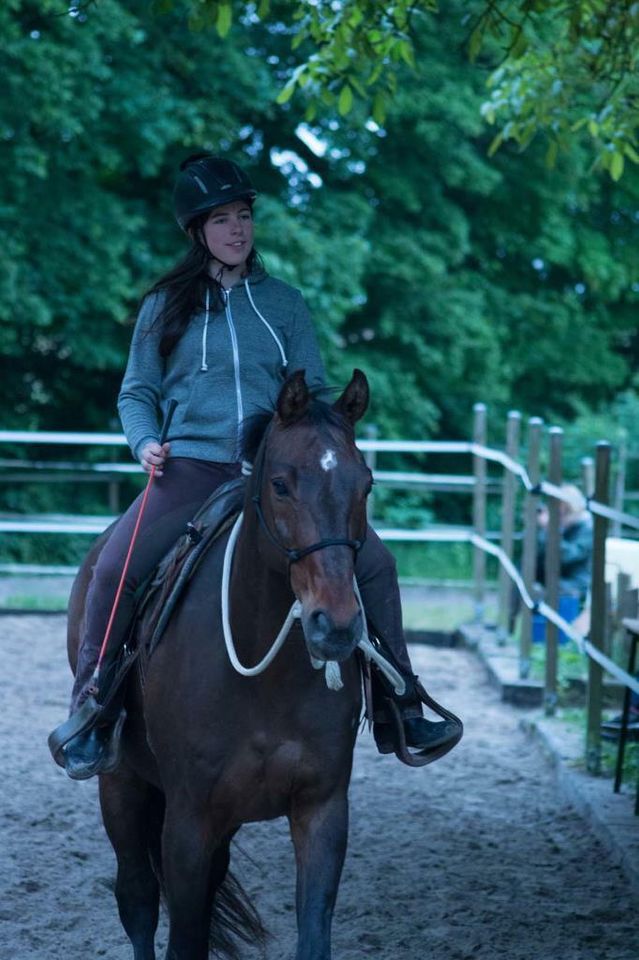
(313, 483)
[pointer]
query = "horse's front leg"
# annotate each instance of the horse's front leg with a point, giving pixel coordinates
(319, 830)
(132, 811)
(190, 883)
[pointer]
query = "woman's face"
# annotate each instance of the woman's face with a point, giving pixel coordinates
(228, 232)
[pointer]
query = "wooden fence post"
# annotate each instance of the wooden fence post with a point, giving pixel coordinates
(479, 510)
(552, 570)
(371, 433)
(529, 555)
(597, 612)
(587, 476)
(620, 482)
(508, 498)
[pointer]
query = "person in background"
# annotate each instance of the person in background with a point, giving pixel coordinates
(575, 548)
(575, 557)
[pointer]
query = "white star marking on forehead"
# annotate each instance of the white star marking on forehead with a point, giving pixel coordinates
(329, 460)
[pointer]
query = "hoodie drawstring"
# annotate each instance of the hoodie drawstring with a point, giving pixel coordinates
(204, 366)
(266, 324)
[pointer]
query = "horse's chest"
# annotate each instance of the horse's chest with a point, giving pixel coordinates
(262, 780)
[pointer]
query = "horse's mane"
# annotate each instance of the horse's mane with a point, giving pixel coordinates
(318, 413)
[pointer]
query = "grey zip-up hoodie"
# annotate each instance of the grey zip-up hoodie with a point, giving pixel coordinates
(228, 365)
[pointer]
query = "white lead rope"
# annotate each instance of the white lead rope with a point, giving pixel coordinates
(293, 613)
(332, 668)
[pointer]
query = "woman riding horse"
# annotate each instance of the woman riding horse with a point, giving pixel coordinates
(218, 334)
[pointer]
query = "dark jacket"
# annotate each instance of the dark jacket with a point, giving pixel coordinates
(575, 557)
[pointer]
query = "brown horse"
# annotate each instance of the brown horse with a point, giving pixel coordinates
(206, 749)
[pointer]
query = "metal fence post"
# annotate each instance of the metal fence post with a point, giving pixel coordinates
(479, 510)
(509, 492)
(552, 570)
(371, 432)
(529, 555)
(594, 696)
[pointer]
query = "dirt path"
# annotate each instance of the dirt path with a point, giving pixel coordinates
(473, 857)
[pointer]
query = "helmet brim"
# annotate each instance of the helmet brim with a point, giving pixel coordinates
(206, 206)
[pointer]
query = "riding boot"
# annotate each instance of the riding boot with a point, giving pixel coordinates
(95, 747)
(377, 580)
(419, 733)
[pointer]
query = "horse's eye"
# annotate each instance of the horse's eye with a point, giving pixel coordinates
(280, 487)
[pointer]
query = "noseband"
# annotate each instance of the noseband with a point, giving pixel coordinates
(293, 554)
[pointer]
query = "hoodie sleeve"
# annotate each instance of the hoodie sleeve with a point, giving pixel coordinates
(303, 349)
(140, 393)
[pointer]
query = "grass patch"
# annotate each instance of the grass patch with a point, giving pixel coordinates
(426, 615)
(574, 721)
(35, 602)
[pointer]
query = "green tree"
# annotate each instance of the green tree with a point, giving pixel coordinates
(493, 280)
(564, 69)
(98, 108)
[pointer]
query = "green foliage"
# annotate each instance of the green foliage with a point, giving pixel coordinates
(566, 70)
(563, 69)
(491, 280)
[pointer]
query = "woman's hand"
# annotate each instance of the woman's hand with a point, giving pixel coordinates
(154, 455)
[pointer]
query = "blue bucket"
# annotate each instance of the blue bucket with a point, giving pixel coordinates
(568, 609)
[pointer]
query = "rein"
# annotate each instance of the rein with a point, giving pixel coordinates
(332, 668)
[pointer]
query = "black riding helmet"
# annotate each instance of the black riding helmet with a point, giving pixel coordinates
(205, 182)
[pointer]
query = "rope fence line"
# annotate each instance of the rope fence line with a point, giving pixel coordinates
(467, 536)
(584, 645)
(550, 489)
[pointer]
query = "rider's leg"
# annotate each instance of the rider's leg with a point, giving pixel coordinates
(376, 573)
(173, 500)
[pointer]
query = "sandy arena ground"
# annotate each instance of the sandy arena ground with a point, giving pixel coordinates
(473, 857)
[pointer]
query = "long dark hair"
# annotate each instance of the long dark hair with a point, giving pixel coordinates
(185, 285)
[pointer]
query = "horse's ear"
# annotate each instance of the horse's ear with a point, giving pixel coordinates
(353, 402)
(294, 398)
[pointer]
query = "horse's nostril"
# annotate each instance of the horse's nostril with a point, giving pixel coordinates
(329, 641)
(320, 625)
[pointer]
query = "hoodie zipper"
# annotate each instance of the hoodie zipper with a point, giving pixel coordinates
(236, 362)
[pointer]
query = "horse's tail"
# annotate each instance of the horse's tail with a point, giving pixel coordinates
(234, 918)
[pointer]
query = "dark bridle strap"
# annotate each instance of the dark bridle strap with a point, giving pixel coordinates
(294, 554)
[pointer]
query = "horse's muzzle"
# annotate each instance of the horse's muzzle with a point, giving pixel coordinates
(327, 641)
